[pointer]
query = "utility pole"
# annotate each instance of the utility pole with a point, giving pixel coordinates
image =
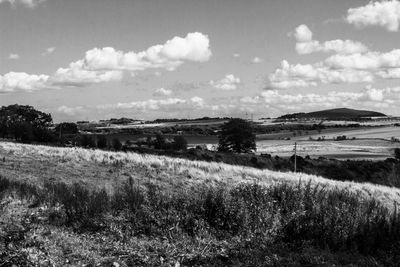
(295, 157)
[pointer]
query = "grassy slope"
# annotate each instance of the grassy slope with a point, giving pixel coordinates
(100, 169)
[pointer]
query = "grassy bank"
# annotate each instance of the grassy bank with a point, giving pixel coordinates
(97, 169)
(248, 224)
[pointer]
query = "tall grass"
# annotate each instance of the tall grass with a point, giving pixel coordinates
(337, 220)
(193, 173)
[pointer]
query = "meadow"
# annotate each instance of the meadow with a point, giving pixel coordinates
(81, 207)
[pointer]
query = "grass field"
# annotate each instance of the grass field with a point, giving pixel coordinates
(102, 169)
(79, 207)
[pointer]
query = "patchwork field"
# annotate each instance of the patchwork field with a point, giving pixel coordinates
(373, 149)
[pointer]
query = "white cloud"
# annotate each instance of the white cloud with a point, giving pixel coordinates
(367, 61)
(194, 47)
(306, 45)
(256, 60)
(26, 3)
(236, 55)
(306, 75)
(77, 75)
(13, 56)
(368, 97)
(70, 111)
(197, 101)
(170, 104)
(303, 34)
(162, 92)
(229, 82)
(389, 73)
(21, 81)
(108, 64)
(49, 51)
(384, 14)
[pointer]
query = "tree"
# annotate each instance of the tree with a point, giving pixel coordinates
(179, 143)
(117, 145)
(87, 141)
(66, 128)
(160, 142)
(397, 153)
(25, 122)
(102, 141)
(237, 136)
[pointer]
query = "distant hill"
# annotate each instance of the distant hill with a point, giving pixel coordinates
(334, 114)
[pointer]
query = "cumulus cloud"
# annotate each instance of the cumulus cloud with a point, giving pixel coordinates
(306, 45)
(305, 75)
(303, 34)
(49, 51)
(229, 82)
(25, 3)
(77, 75)
(13, 56)
(194, 47)
(21, 81)
(197, 101)
(170, 104)
(389, 73)
(384, 14)
(71, 111)
(366, 61)
(256, 60)
(162, 92)
(369, 96)
(108, 64)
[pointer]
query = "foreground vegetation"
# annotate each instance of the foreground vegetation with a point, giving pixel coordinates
(249, 224)
(80, 207)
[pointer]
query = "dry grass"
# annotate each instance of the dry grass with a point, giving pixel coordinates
(103, 169)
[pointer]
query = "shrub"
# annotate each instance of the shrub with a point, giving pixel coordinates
(179, 143)
(102, 142)
(117, 145)
(397, 153)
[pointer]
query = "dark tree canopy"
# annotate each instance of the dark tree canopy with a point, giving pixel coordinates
(25, 123)
(237, 136)
(67, 128)
(102, 141)
(179, 143)
(397, 153)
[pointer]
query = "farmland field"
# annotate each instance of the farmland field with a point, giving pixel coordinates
(349, 149)
(370, 143)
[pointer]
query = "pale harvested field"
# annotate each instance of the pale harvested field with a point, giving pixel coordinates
(372, 132)
(374, 149)
(99, 169)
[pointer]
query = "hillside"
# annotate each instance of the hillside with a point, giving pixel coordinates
(80, 207)
(334, 114)
(97, 169)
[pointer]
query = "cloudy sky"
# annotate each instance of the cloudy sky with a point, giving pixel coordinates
(97, 59)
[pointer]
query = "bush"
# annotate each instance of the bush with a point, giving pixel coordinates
(160, 142)
(179, 143)
(87, 141)
(102, 142)
(397, 153)
(117, 145)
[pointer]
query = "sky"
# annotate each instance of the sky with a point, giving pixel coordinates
(147, 59)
